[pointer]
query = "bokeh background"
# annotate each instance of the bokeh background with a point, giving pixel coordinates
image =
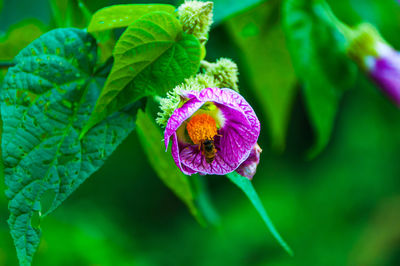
(340, 208)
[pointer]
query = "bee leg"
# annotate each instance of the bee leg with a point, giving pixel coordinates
(201, 149)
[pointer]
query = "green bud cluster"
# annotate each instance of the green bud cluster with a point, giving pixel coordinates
(224, 71)
(196, 18)
(175, 99)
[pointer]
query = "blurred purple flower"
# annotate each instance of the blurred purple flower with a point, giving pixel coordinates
(214, 132)
(377, 58)
(384, 69)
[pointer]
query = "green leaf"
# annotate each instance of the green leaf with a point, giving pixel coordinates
(150, 137)
(45, 101)
(318, 52)
(118, 16)
(203, 200)
(247, 187)
(272, 78)
(151, 57)
(224, 9)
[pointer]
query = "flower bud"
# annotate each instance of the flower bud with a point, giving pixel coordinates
(249, 167)
(196, 18)
(224, 71)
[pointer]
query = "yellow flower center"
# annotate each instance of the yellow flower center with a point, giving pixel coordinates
(201, 127)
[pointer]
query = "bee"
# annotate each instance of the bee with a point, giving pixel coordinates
(208, 149)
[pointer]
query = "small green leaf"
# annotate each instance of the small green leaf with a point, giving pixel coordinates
(247, 187)
(150, 137)
(45, 101)
(151, 57)
(118, 16)
(263, 49)
(318, 52)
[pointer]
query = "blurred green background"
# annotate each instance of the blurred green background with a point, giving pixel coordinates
(341, 208)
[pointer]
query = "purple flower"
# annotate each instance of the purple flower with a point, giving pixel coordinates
(213, 132)
(377, 58)
(384, 69)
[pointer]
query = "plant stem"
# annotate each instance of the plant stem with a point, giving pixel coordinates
(342, 27)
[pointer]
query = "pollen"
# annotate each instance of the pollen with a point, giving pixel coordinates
(201, 127)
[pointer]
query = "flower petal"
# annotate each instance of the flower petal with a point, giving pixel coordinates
(177, 159)
(192, 157)
(230, 98)
(385, 71)
(238, 136)
(179, 116)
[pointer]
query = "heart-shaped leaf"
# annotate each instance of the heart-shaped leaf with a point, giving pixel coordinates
(45, 101)
(151, 57)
